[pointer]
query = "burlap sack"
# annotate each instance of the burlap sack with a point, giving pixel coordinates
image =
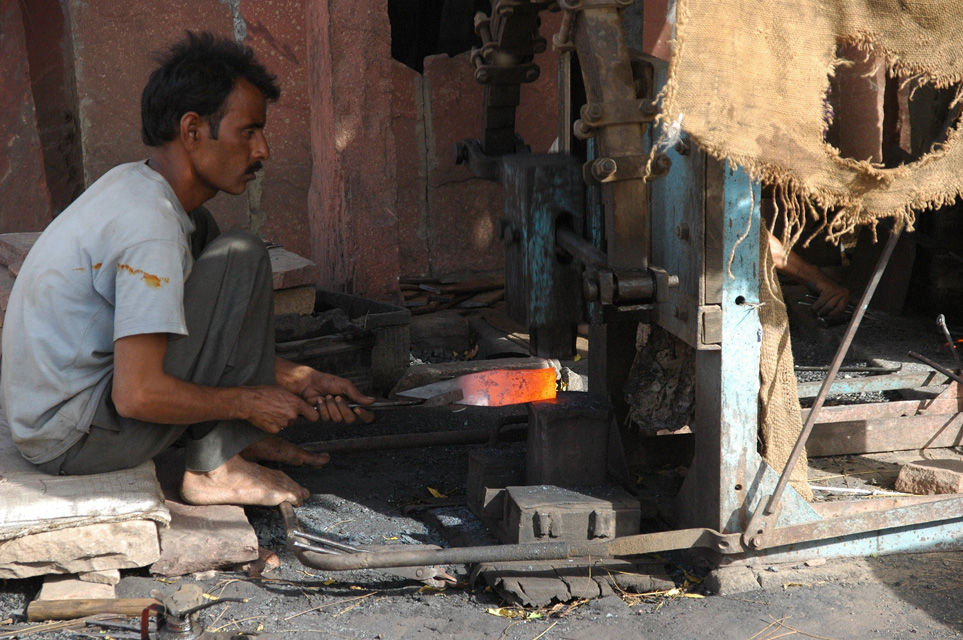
(749, 80)
(779, 418)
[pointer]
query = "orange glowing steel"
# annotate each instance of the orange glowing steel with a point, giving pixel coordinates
(501, 387)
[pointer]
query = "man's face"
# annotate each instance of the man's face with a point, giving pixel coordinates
(228, 163)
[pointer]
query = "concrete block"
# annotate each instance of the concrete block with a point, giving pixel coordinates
(73, 588)
(298, 300)
(14, 248)
(96, 547)
(929, 477)
(733, 579)
(201, 538)
(291, 270)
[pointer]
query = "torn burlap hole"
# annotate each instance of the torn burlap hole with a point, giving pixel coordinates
(750, 79)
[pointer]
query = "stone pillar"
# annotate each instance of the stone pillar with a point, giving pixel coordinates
(24, 198)
(353, 197)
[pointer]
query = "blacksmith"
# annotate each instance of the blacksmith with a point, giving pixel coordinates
(134, 324)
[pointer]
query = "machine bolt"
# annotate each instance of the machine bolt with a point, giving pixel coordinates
(483, 76)
(590, 289)
(682, 148)
(682, 231)
(662, 164)
(593, 112)
(604, 168)
(582, 131)
(648, 109)
(531, 74)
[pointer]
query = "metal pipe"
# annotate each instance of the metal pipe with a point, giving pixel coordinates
(941, 321)
(756, 528)
(579, 248)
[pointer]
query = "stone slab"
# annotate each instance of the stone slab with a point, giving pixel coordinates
(298, 300)
(95, 547)
(291, 270)
(931, 477)
(202, 538)
(73, 588)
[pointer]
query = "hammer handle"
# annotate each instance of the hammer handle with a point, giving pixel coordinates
(68, 609)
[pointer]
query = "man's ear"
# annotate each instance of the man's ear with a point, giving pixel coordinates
(190, 126)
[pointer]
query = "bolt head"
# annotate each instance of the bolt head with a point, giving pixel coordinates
(604, 168)
(531, 74)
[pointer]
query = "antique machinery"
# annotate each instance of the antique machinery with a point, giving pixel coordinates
(647, 228)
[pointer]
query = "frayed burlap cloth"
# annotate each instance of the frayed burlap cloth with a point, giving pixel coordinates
(749, 79)
(779, 418)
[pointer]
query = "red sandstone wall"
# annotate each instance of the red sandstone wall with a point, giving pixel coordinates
(24, 198)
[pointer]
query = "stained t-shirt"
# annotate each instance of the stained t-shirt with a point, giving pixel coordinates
(113, 264)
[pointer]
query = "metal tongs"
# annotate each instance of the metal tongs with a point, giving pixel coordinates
(431, 576)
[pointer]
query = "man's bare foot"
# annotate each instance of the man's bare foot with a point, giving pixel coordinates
(238, 481)
(275, 449)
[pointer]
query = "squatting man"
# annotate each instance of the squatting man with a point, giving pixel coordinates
(135, 324)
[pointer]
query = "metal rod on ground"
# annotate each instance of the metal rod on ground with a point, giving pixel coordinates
(929, 363)
(407, 441)
(756, 527)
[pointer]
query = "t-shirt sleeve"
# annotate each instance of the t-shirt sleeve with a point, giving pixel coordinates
(149, 289)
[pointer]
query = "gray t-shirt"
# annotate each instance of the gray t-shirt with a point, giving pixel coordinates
(113, 264)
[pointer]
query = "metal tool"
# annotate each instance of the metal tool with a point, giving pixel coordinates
(941, 322)
(431, 576)
(441, 400)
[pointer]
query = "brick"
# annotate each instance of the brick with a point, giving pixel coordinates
(201, 538)
(298, 300)
(96, 547)
(929, 477)
(291, 270)
(14, 248)
(73, 588)
(24, 197)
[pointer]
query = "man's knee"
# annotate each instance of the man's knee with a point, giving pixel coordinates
(241, 249)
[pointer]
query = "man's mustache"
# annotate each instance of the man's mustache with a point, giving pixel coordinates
(257, 166)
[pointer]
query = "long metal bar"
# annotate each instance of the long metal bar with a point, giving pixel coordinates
(873, 383)
(409, 440)
(946, 372)
(579, 248)
(949, 509)
(756, 530)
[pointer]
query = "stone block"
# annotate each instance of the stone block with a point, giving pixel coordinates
(929, 477)
(24, 197)
(14, 248)
(291, 270)
(96, 547)
(111, 577)
(201, 538)
(73, 588)
(733, 579)
(298, 300)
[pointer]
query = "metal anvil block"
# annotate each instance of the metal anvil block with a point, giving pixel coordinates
(546, 513)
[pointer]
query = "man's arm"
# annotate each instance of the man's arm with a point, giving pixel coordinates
(832, 298)
(143, 391)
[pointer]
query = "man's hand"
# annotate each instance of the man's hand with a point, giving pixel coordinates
(832, 298)
(271, 408)
(329, 394)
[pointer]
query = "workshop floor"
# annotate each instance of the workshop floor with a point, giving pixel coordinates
(392, 497)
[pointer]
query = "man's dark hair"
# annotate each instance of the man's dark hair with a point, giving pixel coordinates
(197, 74)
